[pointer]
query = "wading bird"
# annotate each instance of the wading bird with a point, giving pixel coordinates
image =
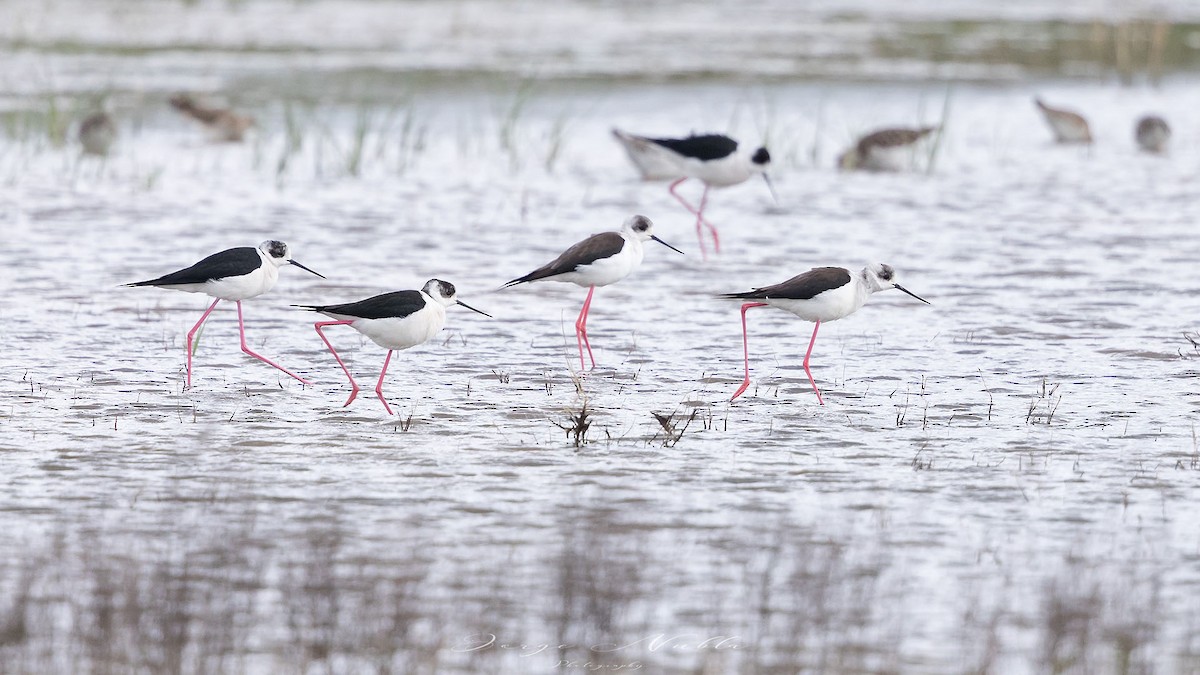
(235, 274)
(599, 260)
(224, 125)
(713, 159)
(1068, 126)
(1152, 134)
(397, 320)
(97, 133)
(820, 294)
(883, 150)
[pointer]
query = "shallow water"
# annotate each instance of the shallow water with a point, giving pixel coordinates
(1001, 481)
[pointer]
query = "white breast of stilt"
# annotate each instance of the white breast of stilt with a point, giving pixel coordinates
(731, 170)
(830, 305)
(405, 332)
(609, 270)
(245, 286)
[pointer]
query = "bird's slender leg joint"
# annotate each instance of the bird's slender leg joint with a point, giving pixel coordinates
(746, 348)
(581, 337)
(808, 354)
(694, 211)
(321, 324)
(701, 221)
(686, 204)
(379, 385)
(247, 350)
(191, 335)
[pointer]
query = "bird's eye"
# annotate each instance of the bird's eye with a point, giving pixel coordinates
(278, 249)
(642, 227)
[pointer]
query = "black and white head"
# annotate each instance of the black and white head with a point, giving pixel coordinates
(639, 226)
(642, 229)
(276, 251)
(444, 293)
(279, 255)
(881, 277)
(759, 161)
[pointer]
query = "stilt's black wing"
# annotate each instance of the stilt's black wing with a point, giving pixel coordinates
(233, 262)
(706, 147)
(801, 287)
(396, 305)
(586, 252)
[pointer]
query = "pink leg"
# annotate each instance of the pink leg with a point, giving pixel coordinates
(246, 348)
(321, 324)
(379, 385)
(701, 221)
(699, 213)
(581, 337)
(808, 354)
(746, 347)
(687, 205)
(191, 334)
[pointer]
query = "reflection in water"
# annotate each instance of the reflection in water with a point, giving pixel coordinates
(798, 599)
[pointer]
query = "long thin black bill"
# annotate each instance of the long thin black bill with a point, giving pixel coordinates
(306, 269)
(666, 244)
(912, 294)
(473, 309)
(771, 187)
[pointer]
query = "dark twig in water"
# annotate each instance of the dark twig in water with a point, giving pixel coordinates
(1194, 339)
(902, 411)
(1043, 405)
(578, 425)
(991, 399)
(670, 428)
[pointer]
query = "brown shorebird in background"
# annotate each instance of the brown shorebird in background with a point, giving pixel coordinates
(883, 150)
(1152, 134)
(224, 125)
(97, 133)
(1068, 126)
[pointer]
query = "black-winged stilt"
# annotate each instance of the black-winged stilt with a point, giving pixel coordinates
(713, 159)
(235, 274)
(397, 320)
(820, 294)
(599, 260)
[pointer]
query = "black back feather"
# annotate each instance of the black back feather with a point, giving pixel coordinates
(586, 252)
(801, 287)
(705, 147)
(232, 262)
(395, 305)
